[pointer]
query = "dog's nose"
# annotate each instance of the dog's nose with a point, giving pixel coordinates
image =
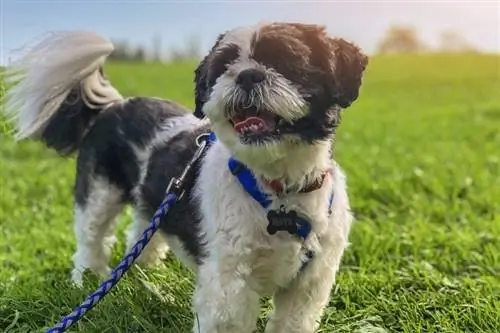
(249, 77)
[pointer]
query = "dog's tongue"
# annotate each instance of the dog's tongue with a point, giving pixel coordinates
(252, 124)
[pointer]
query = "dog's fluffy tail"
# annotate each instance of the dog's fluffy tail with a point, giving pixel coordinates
(58, 88)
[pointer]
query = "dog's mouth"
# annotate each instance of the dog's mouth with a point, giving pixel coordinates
(253, 120)
(254, 124)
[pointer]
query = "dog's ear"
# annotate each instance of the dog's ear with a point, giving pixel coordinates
(342, 61)
(200, 88)
(201, 80)
(349, 63)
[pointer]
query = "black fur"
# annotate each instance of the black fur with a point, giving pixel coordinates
(108, 142)
(67, 126)
(168, 161)
(106, 149)
(351, 64)
(202, 87)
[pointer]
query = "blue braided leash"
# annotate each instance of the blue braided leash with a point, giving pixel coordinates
(175, 192)
(119, 271)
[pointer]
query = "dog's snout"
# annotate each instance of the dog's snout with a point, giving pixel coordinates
(249, 77)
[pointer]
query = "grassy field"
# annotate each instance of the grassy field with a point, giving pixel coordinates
(421, 149)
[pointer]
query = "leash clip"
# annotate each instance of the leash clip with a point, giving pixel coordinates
(176, 184)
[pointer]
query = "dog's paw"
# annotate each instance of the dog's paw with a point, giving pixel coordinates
(153, 256)
(103, 271)
(149, 260)
(77, 274)
(77, 278)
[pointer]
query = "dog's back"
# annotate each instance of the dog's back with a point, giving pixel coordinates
(118, 142)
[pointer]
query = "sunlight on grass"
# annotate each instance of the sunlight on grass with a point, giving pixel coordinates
(421, 151)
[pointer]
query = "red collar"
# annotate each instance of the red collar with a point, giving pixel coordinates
(277, 186)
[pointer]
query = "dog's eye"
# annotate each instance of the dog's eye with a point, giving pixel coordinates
(221, 60)
(287, 58)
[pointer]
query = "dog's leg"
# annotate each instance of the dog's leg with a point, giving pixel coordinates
(94, 228)
(157, 248)
(223, 301)
(299, 307)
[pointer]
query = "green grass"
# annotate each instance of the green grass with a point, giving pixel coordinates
(421, 149)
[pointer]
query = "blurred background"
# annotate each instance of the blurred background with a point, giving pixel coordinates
(420, 148)
(173, 30)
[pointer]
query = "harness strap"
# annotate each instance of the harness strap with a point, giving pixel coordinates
(248, 181)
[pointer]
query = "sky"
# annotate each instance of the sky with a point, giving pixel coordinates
(363, 22)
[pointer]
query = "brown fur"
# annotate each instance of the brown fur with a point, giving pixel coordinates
(309, 47)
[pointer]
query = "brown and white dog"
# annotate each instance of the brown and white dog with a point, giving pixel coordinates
(272, 94)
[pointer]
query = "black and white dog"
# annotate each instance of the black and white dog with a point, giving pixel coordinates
(266, 212)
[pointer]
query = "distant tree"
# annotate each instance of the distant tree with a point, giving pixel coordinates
(124, 52)
(139, 54)
(400, 39)
(452, 41)
(157, 48)
(193, 47)
(191, 50)
(121, 52)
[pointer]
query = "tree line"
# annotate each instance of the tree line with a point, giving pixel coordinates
(191, 49)
(397, 39)
(405, 39)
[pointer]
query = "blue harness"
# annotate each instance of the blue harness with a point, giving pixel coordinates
(249, 183)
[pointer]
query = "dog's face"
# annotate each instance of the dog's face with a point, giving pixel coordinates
(264, 87)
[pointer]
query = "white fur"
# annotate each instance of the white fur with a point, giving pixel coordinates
(45, 75)
(155, 251)
(94, 229)
(246, 262)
